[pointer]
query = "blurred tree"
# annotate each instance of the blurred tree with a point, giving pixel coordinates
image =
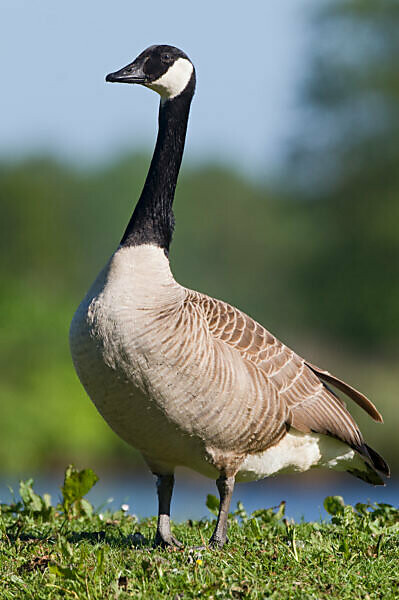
(349, 158)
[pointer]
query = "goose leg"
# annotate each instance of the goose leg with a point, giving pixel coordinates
(225, 486)
(163, 536)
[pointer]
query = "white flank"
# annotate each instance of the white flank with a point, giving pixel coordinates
(174, 81)
(299, 452)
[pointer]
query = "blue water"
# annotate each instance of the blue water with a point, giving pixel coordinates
(304, 493)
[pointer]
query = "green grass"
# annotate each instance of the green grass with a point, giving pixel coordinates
(71, 551)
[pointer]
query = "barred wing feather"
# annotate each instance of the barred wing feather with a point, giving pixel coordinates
(312, 405)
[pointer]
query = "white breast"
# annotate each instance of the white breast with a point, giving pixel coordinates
(110, 344)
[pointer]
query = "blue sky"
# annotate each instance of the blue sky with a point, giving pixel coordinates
(250, 59)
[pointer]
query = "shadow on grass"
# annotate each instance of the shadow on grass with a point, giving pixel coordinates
(115, 540)
(135, 540)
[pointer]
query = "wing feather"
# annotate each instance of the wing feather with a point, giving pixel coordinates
(348, 390)
(301, 387)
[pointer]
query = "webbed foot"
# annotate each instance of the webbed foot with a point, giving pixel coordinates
(166, 541)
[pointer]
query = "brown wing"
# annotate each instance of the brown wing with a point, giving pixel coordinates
(312, 406)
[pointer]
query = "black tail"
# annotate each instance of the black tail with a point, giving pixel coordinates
(368, 475)
(377, 461)
(373, 462)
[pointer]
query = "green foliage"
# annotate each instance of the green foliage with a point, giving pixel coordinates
(269, 515)
(73, 505)
(76, 485)
(334, 505)
(212, 503)
(33, 503)
(97, 556)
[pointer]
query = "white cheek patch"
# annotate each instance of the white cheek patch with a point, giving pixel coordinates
(174, 81)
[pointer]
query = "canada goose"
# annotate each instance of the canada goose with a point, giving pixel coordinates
(190, 380)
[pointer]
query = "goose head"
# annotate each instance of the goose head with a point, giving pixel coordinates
(164, 69)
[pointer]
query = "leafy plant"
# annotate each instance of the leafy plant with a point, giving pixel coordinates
(76, 485)
(269, 515)
(334, 505)
(212, 504)
(32, 502)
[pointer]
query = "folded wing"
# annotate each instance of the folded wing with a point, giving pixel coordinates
(302, 387)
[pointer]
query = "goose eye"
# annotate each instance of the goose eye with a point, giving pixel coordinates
(167, 58)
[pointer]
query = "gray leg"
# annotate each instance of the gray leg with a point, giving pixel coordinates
(225, 486)
(163, 535)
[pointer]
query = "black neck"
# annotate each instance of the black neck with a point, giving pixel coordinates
(152, 221)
